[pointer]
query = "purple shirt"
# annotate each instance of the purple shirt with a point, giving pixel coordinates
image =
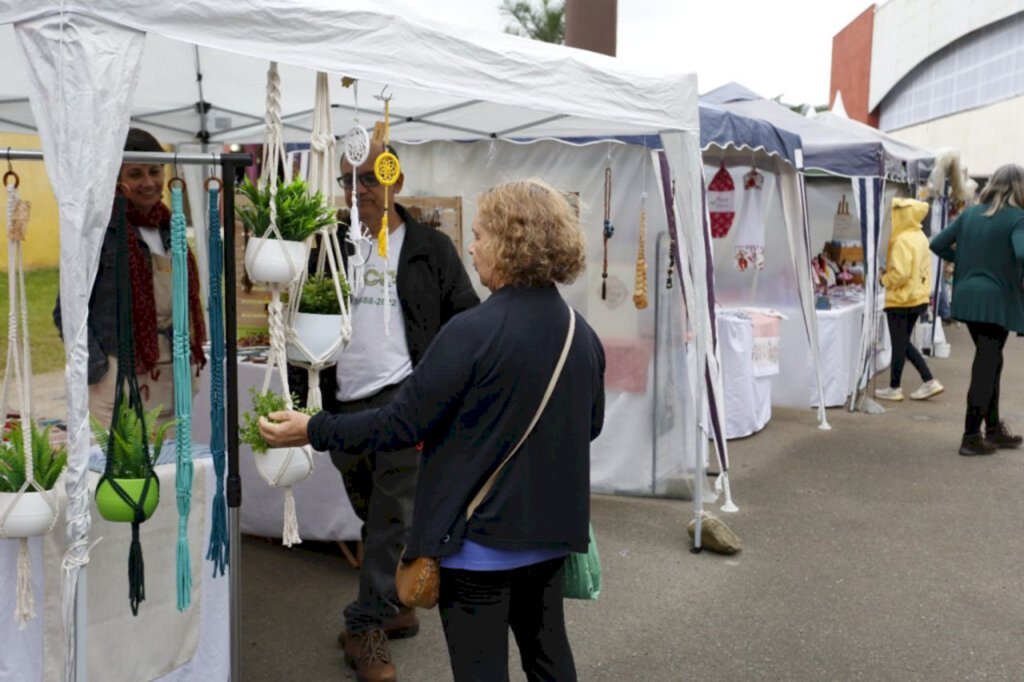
(476, 557)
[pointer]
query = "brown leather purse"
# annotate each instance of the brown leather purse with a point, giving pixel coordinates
(418, 580)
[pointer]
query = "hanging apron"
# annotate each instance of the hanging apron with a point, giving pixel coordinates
(156, 386)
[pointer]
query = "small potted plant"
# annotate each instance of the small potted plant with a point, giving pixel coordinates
(32, 513)
(318, 324)
(299, 214)
(131, 464)
(279, 467)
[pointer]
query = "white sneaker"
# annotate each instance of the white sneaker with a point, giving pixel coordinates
(927, 390)
(894, 394)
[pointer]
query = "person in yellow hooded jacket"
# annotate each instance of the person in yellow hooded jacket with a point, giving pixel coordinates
(907, 279)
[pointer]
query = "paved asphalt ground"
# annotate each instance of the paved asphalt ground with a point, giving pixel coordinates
(870, 552)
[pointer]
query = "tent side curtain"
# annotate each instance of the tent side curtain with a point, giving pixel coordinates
(869, 199)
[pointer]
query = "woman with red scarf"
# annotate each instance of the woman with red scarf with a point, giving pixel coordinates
(149, 223)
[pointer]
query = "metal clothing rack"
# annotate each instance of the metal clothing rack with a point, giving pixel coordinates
(228, 163)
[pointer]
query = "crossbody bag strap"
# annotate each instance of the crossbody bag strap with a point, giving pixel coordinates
(486, 488)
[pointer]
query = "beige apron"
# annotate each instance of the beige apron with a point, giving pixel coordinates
(158, 391)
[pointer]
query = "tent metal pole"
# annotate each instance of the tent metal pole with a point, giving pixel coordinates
(234, 480)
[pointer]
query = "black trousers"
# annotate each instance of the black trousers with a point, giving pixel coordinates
(478, 607)
(983, 395)
(382, 489)
(901, 324)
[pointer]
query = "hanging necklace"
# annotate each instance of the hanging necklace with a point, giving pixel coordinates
(609, 229)
(640, 277)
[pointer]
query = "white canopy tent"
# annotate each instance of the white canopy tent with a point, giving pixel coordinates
(80, 70)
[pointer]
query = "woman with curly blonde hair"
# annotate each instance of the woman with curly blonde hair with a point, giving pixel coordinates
(470, 401)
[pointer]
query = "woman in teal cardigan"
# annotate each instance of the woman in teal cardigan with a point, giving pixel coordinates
(986, 245)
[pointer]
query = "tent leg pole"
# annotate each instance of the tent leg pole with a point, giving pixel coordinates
(234, 481)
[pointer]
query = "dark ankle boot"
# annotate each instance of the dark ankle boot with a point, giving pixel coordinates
(1002, 437)
(975, 444)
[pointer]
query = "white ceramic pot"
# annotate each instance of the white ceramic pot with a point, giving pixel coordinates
(317, 333)
(293, 464)
(269, 263)
(31, 514)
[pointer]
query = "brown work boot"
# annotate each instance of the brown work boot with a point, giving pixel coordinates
(368, 653)
(399, 626)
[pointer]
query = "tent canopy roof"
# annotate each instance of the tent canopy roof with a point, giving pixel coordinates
(726, 130)
(832, 149)
(459, 84)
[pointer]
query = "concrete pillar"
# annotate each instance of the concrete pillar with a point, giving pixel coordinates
(592, 25)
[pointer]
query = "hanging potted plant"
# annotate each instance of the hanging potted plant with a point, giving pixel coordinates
(279, 467)
(299, 214)
(131, 464)
(35, 510)
(318, 322)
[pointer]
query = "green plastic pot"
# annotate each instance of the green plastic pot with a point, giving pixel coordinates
(113, 508)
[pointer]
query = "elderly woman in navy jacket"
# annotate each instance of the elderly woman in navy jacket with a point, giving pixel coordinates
(469, 401)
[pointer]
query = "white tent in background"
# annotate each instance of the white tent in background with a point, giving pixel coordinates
(80, 70)
(837, 106)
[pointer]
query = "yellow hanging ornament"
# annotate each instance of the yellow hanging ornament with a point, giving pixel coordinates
(387, 169)
(640, 279)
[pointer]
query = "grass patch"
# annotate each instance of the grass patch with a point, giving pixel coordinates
(41, 288)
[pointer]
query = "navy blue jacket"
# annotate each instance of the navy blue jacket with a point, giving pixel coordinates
(469, 400)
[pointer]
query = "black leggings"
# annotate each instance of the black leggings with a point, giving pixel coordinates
(477, 608)
(983, 395)
(901, 324)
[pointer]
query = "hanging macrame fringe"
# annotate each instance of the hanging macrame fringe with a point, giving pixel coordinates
(182, 367)
(290, 536)
(26, 607)
(218, 551)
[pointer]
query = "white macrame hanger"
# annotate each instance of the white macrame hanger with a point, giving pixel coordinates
(19, 359)
(273, 152)
(329, 263)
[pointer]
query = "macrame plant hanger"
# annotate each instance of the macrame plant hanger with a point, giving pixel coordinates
(387, 169)
(126, 377)
(609, 229)
(182, 366)
(273, 152)
(357, 150)
(218, 551)
(322, 163)
(19, 359)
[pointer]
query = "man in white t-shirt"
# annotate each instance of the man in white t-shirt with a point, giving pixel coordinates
(392, 326)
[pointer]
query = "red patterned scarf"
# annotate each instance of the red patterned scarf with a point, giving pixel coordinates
(140, 267)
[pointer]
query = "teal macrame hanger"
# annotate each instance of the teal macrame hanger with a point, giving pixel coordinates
(182, 355)
(219, 550)
(126, 378)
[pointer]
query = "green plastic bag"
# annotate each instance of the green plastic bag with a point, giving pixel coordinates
(583, 573)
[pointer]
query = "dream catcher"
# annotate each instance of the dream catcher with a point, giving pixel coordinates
(388, 170)
(356, 148)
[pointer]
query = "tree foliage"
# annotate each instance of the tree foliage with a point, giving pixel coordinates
(545, 23)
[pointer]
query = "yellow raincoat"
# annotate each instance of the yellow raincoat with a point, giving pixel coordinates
(908, 276)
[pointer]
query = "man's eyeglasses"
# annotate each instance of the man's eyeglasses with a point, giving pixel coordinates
(368, 180)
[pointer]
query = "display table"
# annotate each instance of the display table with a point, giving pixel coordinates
(321, 502)
(158, 644)
(746, 381)
(839, 331)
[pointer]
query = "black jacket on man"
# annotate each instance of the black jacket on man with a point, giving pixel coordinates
(433, 287)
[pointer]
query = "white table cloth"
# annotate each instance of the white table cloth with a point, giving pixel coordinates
(159, 643)
(321, 502)
(839, 332)
(748, 398)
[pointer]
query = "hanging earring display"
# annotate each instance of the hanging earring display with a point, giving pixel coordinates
(640, 278)
(671, 246)
(609, 229)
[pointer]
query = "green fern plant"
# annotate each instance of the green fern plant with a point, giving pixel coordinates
(129, 459)
(262, 405)
(299, 213)
(48, 461)
(319, 297)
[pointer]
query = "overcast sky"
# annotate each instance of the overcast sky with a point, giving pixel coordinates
(774, 47)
